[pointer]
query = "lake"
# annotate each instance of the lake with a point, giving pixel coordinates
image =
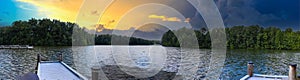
(15, 62)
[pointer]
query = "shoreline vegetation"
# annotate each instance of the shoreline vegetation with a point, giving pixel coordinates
(46, 32)
(243, 37)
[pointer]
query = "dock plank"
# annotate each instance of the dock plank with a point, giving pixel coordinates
(264, 77)
(260, 78)
(55, 71)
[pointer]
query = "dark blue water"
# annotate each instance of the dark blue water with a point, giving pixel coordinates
(271, 62)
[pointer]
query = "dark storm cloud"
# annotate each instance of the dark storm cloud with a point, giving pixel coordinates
(186, 9)
(286, 10)
(281, 13)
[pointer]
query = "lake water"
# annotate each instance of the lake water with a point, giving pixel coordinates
(16, 62)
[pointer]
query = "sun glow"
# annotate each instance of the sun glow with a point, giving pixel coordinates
(67, 10)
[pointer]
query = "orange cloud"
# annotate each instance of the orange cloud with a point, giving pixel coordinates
(68, 11)
(156, 17)
(187, 20)
(164, 18)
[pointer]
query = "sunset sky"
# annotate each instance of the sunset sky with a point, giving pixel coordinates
(281, 13)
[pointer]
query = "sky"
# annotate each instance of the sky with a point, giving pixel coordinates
(131, 14)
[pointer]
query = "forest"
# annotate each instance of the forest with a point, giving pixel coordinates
(46, 32)
(262, 38)
(35, 32)
(122, 40)
(245, 37)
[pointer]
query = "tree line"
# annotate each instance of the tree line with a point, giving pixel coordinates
(245, 37)
(122, 40)
(256, 37)
(46, 32)
(172, 38)
(37, 32)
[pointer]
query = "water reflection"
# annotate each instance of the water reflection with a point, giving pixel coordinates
(18, 62)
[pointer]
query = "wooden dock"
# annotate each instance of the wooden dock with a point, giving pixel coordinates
(56, 70)
(16, 47)
(264, 77)
(251, 76)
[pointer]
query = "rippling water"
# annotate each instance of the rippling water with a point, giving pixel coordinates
(18, 62)
(272, 62)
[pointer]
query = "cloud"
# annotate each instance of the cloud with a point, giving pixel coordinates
(151, 28)
(172, 19)
(187, 20)
(246, 12)
(95, 12)
(164, 18)
(148, 31)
